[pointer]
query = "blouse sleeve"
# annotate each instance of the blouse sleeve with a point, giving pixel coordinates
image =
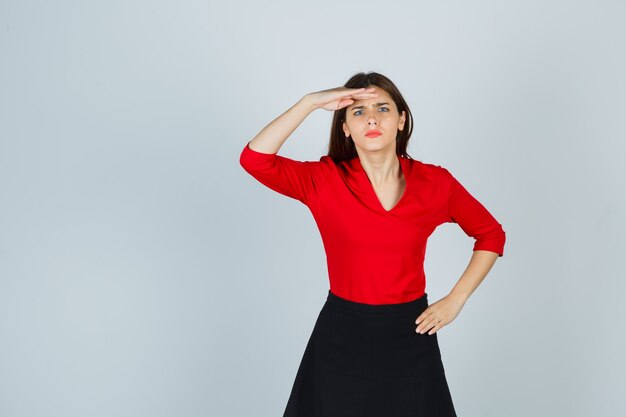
(296, 179)
(473, 218)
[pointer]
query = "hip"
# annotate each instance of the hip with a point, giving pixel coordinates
(375, 341)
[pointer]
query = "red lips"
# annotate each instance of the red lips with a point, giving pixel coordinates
(373, 133)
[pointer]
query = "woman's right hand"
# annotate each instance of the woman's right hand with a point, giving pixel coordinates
(337, 98)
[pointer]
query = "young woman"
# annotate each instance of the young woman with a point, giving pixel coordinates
(373, 350)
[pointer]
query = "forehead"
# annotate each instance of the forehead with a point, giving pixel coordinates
(383, 96)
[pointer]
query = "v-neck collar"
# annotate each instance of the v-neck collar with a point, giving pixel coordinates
(404, 166)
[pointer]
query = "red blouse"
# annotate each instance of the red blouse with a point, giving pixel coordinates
(376, 256)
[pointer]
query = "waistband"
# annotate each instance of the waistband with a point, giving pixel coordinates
(408, 306)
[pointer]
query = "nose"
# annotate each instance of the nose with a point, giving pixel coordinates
(371, 119)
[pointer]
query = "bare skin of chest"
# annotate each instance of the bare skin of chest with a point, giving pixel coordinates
(389, 194)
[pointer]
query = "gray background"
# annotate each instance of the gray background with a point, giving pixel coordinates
(143, 272)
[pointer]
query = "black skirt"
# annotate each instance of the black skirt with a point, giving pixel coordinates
(365, 360)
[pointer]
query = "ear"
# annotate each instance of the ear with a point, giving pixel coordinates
(402, 120)
(346, 131)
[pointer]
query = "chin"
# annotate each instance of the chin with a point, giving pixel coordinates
(374, 148)
(374, 145)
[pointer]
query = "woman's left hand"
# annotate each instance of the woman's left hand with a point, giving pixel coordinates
(439, 314)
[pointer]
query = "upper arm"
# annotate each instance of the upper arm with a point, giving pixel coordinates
(472, 216)
(296, 179)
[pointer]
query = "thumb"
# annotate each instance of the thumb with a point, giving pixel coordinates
(344, 102)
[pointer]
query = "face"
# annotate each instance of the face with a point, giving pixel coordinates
(374, 114)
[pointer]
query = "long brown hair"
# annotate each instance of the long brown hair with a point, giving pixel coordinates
(341, 148)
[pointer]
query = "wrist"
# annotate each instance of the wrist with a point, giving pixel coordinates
(308, 103)
(459, 295)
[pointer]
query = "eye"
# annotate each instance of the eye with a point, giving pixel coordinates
(355, 113)
(385, 108)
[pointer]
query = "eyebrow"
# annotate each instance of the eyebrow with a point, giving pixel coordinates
(362, 107)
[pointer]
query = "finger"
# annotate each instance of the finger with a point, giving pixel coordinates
(364, 92)
(347, 90)
(359, 90)
(425, 314)
(344, 102)
(360, 95)
(428, 325)
(431, 321)
(425, 325)
(421, 317)
(436, 328)
(364, 95)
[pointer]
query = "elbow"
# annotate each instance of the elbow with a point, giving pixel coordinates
(243, 161)
(254, 161)
(493, 242)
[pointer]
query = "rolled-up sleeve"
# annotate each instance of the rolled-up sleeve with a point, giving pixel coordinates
(300, 180)
(475, 220)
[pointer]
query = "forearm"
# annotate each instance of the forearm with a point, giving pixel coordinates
(480, 264)
(272, 136)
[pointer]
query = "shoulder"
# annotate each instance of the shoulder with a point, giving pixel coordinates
(430, 170)
(328, 164)
(255, 160)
